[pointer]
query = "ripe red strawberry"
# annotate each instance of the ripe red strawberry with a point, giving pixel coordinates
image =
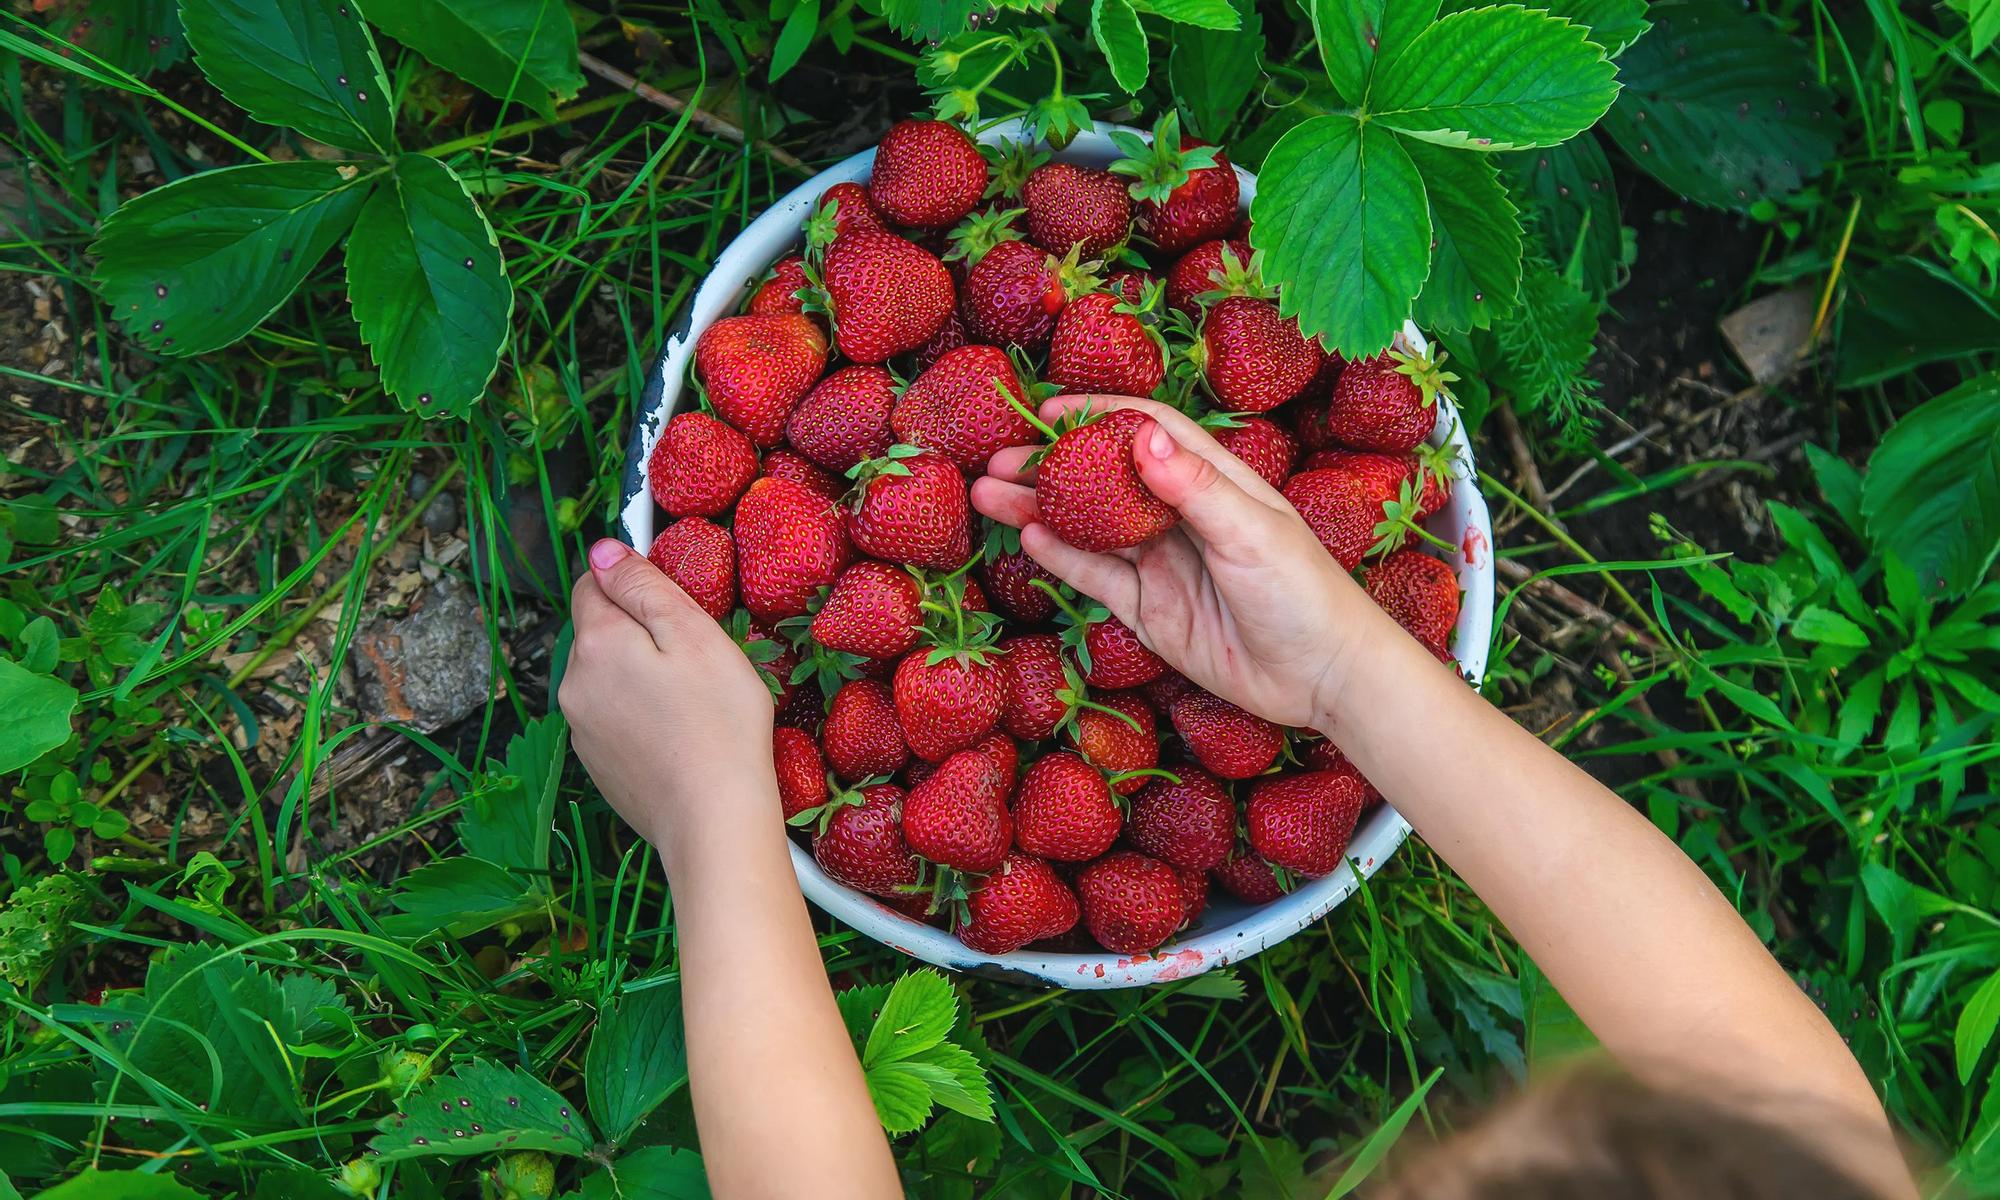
(1023, 901)
(801, 770)
(1302, 822)
(1102, 347)
(771, 655)
(927, 173)
(1249, 878)
(789, 544)
(1116, 656)
(887, 295)
(1387, 474)
(756, 368)
(780, 293)
(1386, 403)
(861, 843)
(862, 737)
(844, 420)
(699, 557)
(1222, 265)
(1012, 295)
(956, 408)
(1224, 738)
(1253, 359)
(910, 506)
(957, 817)
(699, 466)
(1009, 576)
(1322, 755)
(871, 611)
(1063, 809)
(1421, 592)
(851, 211)
(783, 464)
(1189, 824)
(1169, 687)
(1032, 679)
(1002, 750)
(1186, 189)
(1072, 207)
(804, 707)
(950, 336)
(1264, 447)
(1339, 510)
(1131, 903)
(1130, 283)
(1194, 893)
(1088, 490)
(947, 705)
(1115, 745)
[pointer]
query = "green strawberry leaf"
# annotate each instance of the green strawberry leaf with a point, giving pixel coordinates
(429, 289)
(1613, 24)
(38, 708)
(1203, 14)
(1213, 73)
(910, 1058)
(1495, 79)
(1345, 229)
(1931, 496)
(312, 67)
(118, 1185)
(1354, 35)
(1115, 27)
(1569, 192)
(135, 36)
(460, 896)
(197, 264)
(1476, 265)
(650, 1173)
(524, 50)
(478, 1108)
(637, 1058)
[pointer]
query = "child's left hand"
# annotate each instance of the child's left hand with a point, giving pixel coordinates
(664, 710)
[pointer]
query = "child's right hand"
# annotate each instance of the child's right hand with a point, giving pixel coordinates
(1240, 597)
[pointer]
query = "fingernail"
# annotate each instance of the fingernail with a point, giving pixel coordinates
(1161, 443)
(607, 553)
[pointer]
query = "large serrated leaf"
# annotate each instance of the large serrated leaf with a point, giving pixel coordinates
(1905, 313)
(459, 897)
(637, 1058)
(1345, 228)
(1203, 14)
(38, 708)
(1722, 107)
(136, 36)
(653, 1173)
(428, 287)
(1115, 28)
(479, 1108)
(307, 64)
(1931, 496)
(1495, 79)
(1354, 35)
(1213, 73)
(1476, 263)
(1569, 191)
(519, 49)
(200, 262)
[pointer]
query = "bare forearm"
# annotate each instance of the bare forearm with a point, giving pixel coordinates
(778, 1095)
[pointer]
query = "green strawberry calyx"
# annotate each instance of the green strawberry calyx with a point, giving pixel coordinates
(1075, 696)
(1426, 371)
(979, 233)
(1156, 169)
(1235, 278)
(839, 796)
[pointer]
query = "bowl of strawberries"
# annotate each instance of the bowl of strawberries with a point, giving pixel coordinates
(981, 768)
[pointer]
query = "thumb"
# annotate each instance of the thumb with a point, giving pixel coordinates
(635, 585)
(1215, 506)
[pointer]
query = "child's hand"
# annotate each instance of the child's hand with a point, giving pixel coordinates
(664, 710)
(1240, 597)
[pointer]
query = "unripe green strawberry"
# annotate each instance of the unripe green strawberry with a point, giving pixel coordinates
(755, 368)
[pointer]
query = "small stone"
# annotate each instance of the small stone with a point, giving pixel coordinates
(430, 668)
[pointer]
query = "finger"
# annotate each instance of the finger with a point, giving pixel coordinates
(1007, 503)
(1107, 577)
(1214, 505)
(1185, 430)
(639, 588)
(600, 625)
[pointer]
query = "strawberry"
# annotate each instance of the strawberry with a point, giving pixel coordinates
(1073, 207)
(1063, 809)
(1102, 347)
(846, 208)
(1194, 893)
(1010, 575)
(699, 466)
(1169, 687)
(1339, 510)
(1252, 358)
(910, 506)
(1131, 903)
(1421, 592)
(1427, 474)
(1190, 824)
(1032, 679)
(957, 407)
(1249, 878)
(783, 464)
(771, 655)
(957, 817)
(756, 368)
(860, 841)
(1014, 292)
(948, 704)
(789, 544)
(1264, 447)
(804, 707)
(1322, 755)
(927, 174)
(779, 293)
(1386, 403)
(1112, 656)
(699, 557)
(801, 771)
(872, 611)
(1302, 822)
(862, 737)
(1186, 189)
(1221, 267)
(1023, 901)
(1225, 739)
(1131, 284)
(887, 295)
(950, 336)
(1088, 491)
(1126, 738)
(844, 420)
(1002, 750)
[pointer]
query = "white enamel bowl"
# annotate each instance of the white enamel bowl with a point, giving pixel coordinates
(1228, 931)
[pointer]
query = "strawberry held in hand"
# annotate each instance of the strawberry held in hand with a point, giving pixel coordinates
(699, 557)
(756, 367)
(1089, 492)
